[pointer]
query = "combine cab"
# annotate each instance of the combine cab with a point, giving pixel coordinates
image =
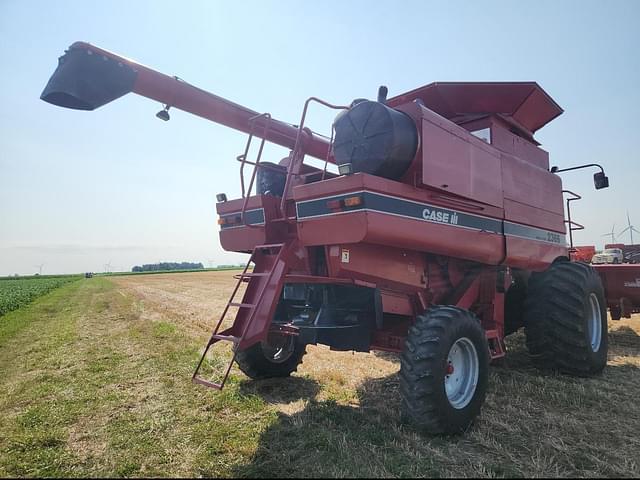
(442, 233)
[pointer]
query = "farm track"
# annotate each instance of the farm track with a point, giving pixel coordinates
(95, 381)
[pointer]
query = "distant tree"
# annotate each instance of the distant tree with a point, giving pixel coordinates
(163, 266)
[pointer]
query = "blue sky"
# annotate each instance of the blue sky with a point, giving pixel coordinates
(81, 189)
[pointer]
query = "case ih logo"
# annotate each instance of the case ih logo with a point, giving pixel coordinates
(635, 284)
(439, 216)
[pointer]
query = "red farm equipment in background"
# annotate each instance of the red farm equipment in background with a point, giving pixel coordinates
(442, 232)
(582, 253)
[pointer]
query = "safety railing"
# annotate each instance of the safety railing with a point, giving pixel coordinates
(573, 226)
(297, 154)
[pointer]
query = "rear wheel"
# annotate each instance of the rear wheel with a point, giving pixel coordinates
(444, 370)
(566, 319)
(279, 356)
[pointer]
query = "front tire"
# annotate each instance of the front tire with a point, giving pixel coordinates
(566, 319)
(278, 357)
(444, 371)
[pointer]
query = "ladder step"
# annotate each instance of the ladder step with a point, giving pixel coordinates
(225, 338)
(273, 245)
(207, 383)
(244, 277)
(241, 305)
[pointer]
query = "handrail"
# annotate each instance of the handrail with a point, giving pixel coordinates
(256, 164)
(297, 155)
(568, 221)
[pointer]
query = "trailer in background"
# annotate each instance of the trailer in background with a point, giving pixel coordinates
(622, 288)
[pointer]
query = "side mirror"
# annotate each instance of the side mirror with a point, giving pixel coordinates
(600, 180)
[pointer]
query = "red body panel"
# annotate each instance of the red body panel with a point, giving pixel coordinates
(532, 255)
(459, 163)
(530, 185)
(241, 238)
(393, 230)
(622, 286)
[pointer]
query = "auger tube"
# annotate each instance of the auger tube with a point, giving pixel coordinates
(88, 77)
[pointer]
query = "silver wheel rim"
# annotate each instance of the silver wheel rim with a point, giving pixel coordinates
(279, 354)
(461, 376)
(594, 322)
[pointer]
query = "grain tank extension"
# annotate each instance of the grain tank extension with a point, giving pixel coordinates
(442, 232)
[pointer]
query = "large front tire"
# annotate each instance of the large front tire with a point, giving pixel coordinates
(566, 319)
(278, 357)
(444, 371)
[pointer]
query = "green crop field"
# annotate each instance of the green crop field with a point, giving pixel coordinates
(17, 292)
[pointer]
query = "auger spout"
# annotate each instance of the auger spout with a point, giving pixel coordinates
(88, 77)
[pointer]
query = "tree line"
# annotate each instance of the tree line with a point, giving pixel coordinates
(154, 267)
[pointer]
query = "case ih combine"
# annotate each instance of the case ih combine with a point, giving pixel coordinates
(443, 232)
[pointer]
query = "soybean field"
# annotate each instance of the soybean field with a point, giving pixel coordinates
(17, 292)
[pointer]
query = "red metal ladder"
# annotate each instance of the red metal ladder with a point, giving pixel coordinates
(259, 302)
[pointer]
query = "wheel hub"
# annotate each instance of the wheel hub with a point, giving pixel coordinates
(279, 349)
(594, 322)
(462, 372)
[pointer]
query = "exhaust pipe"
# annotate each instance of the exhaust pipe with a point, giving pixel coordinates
(86, 80)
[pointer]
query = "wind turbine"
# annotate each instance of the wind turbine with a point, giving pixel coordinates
(39, 267)
(107, 267)
(611, 234)
(630, 229)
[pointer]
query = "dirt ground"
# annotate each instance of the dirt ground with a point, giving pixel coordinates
(195, 301)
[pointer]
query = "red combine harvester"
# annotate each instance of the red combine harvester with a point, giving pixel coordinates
(442, 232)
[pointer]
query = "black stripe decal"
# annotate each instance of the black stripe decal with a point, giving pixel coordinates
(400, 207)
(253, 217)
(423, 211)
(533, 233)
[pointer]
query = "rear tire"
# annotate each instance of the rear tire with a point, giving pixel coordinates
(566, 319)
(444, 371)
(278, 357)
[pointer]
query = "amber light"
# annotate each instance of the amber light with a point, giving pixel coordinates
(229, 220)
(353, 201)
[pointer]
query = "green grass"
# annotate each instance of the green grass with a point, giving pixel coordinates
(91, 386)
(90, 390)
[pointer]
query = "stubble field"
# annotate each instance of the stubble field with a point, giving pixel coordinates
(95, 381)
